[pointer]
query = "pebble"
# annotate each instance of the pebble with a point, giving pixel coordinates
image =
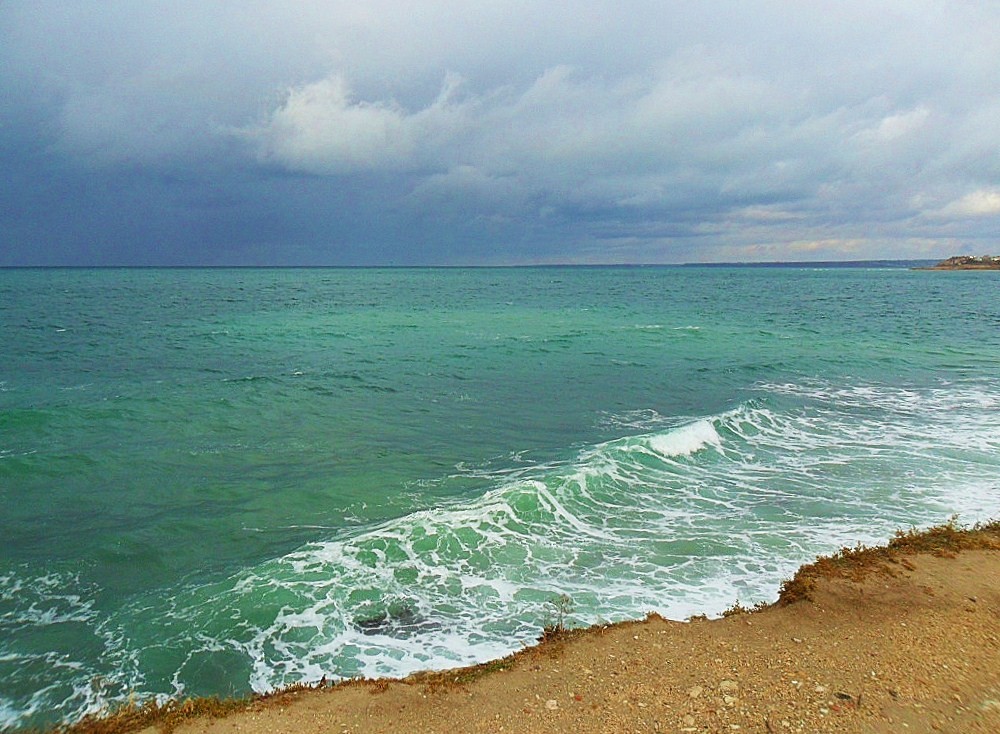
(551, 704)
(688, 720)
(695, 691)
(730, 700)
(729, 685)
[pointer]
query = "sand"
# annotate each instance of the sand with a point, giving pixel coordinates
(896, 641)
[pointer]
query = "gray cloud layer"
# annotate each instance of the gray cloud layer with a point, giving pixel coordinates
(345, 132)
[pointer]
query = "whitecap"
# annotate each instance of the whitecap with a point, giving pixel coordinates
(686, 440)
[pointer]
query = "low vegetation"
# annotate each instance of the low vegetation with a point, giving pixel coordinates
(857, 563)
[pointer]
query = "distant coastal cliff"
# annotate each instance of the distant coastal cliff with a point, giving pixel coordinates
(967, 262)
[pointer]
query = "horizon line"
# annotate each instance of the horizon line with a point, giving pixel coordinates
(470, 266)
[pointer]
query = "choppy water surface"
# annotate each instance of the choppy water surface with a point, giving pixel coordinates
(216, 481)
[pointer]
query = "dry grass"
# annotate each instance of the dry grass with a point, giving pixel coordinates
(857, 563)
(134, 716)
(550, 644)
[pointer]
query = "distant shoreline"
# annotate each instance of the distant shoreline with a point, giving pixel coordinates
(966, 262)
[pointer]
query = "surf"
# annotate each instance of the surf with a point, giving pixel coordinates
(683, 520)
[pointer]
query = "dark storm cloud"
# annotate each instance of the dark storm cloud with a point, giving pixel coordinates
(497, 132)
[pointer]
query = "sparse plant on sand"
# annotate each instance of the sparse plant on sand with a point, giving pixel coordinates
(562, 606)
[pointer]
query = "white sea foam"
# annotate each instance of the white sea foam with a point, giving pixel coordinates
(635, 420)
(686, 440)
(62, 679)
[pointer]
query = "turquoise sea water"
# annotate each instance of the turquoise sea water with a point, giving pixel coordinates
(217, 481)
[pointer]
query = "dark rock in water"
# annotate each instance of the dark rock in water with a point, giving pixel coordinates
(398, 620)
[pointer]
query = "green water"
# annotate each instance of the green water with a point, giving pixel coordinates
(210, 479)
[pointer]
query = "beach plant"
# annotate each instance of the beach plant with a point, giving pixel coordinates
(736, 609)
(562, 607)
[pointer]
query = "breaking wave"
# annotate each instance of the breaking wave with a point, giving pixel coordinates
(683, 518)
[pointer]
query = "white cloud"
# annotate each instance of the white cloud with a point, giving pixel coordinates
(766, 213)
(320, 129)
(979, 203)
(896, 126)
(628, 137)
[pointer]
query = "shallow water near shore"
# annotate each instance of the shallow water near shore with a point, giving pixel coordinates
(217, 481)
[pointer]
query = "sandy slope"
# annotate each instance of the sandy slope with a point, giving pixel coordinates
(912, 650)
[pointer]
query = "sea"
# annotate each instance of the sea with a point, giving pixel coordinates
(222, 481)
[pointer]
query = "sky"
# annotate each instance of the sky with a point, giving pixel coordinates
(480, 132)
